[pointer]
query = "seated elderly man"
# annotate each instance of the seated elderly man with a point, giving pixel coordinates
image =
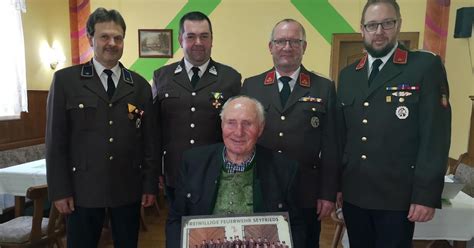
(237, 177)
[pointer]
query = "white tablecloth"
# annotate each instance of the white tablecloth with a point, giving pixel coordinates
(15, 180)
(455, 221)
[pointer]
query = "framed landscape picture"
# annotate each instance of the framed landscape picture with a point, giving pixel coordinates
(259, 230)
(155, 43)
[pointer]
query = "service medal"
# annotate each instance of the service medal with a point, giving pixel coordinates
(402, 112)
(216, 98)
(314, 121)
(138, 122)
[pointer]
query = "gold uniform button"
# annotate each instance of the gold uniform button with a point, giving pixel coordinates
(191, 141)
(192, 125)
(188, 195)
(366, 104)
(280, 134)
(283, 117)
(280, 151)
(365, 121)
(111, 140)
(193, 109)
(413, 167)
(73, 168)
(313, 109)
(364, 138)
(110, 105)
(280, 205)
(363, 157)
(167, 95)
(111, 122)
(111, 158)
(81, 105)
(164, 152)
(193, 94)
(401, 99)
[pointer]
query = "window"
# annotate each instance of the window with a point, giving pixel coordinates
(13, 97)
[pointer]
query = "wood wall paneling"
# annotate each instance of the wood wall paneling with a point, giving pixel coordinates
(30, 128)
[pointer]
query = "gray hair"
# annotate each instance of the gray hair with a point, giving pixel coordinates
(288, 20)
(258, 107)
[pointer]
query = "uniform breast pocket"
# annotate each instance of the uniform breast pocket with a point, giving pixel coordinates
(169, 100)
(82, 112)
(347, 106)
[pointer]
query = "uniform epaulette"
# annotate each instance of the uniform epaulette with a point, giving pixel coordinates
(424, 51)
(322, 75)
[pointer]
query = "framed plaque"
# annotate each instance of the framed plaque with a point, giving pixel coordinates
(262, 230)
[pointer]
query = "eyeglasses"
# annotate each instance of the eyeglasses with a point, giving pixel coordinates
(294, 43)
(386, 25)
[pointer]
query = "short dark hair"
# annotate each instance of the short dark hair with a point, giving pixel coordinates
(393, 3)
(102, 15)
(193, 16)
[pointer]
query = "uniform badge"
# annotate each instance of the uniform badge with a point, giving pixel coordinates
(213, 70)
(444, 100)
(216, 98)
(269, 78)
(402, 93)
(388, 99)
(402, 112)
(315, 121)
(310, 99)
(135, 113)
(178, 69)
(305, 80)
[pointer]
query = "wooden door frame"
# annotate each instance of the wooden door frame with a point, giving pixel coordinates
(338, 40)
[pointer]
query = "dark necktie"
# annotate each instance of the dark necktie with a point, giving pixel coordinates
(195, 77)
(285, 91)
(110, 83)
(375, 70)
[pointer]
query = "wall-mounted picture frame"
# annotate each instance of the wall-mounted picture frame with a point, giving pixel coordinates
(155, 43)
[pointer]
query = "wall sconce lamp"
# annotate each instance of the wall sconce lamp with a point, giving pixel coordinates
(55, 56)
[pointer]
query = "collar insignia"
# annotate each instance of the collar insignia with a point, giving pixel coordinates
(361, 62)
(127, 75)
(400, 56)
(87, 70)
(270, 78)
(305, 80)
(178, 69)
(213, 70)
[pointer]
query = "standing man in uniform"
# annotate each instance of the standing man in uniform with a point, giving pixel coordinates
(100, 131)
(300, 122)
(188, 96)
(396, 134)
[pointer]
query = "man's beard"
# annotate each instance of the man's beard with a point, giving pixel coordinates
(380, 53)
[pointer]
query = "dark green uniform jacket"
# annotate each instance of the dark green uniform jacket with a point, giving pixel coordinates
(396, 133)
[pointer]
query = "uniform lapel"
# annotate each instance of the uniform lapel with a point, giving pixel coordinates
(93, 84)
(213, 173)
(388, 72)
(209, 76)
(299, 90)
(125, 85)
(271, 91)
(181, 77)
